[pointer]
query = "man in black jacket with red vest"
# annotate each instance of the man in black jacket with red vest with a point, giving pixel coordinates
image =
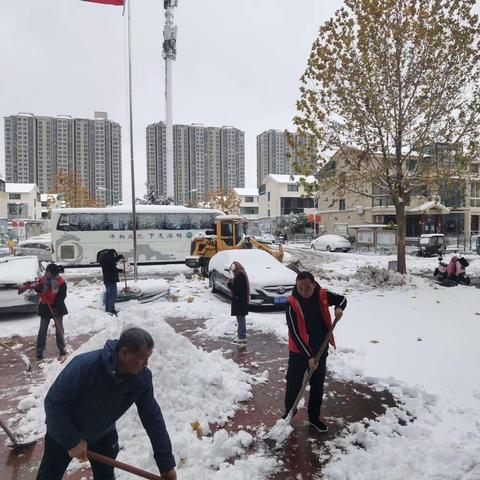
(308, 320)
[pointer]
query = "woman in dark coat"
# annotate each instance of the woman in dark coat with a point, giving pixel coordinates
(240, 287)
(53, 290)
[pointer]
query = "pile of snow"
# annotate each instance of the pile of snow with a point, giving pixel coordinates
(379, 277)
(192, 387)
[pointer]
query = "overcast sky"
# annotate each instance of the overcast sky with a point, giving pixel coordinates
(238, 63)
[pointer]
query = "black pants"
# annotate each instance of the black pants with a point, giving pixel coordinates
(56, 459)
(42, 335)
(297, 364)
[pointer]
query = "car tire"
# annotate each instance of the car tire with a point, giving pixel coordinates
(328, 249)
(213, 285)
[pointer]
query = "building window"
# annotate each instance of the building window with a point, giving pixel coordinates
(475, 194)
(341, 204)
(268, 213)
(268, 197)
(381, 200)
(292, 187)
(14, 196)
(262, 189)
(474, 168)
(248, 199)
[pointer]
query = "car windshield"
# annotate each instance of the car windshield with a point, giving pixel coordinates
(424, 240)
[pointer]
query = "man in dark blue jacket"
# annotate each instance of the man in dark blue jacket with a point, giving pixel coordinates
(93, 391)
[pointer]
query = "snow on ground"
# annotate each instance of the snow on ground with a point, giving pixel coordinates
(191, 385)
(417, 340)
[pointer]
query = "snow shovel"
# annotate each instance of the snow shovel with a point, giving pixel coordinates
(21, 355)
(16, 445)
(122, 466)
(282, 429)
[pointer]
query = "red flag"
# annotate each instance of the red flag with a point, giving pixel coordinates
(108, 2)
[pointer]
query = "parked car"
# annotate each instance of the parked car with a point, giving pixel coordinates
(271, 282)
(331, 243)
(431, 245)
(13, 272)
(41, 247)
(265, 238)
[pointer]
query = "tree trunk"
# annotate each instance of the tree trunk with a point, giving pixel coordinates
(401, 233)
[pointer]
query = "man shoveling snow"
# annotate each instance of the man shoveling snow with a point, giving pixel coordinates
(93, 391)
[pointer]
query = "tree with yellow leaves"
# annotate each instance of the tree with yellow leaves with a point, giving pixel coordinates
(385, 79)
(74, 193)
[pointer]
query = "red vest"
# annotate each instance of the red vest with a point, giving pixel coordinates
(302, 326)
(48, 297)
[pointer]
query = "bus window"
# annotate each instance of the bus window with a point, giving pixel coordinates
(84, 222)
(98, 222)
(63, 223)
(150, 221)
(125, 221)
(177, 221)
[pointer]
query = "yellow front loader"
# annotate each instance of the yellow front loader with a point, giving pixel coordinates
(228, 234)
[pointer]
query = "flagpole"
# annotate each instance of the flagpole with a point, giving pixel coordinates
(132, 162)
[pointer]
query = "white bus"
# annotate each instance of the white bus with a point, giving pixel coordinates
(164, 232)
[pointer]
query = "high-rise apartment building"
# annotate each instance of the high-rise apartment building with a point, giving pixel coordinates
(37, 148)
(206, 159)
(275, 155)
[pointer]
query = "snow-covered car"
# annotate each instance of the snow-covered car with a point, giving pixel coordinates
(331, 243)
(265, 238)
(4, 252)
(271, 282)
(38, 246)
(13, 272)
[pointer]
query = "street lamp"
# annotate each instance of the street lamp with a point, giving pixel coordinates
(315, 204)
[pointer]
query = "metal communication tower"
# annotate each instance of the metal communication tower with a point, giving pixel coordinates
(169, 54)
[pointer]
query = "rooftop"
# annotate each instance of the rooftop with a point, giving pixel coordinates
(20, 187)
(290, 178)
(246, 192)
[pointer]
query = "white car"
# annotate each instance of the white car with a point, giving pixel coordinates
(41, 247)
(331, 243)
(271, 282)
(265, 238)
(13, 272)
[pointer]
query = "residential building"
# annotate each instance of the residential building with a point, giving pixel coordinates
(281, 195)
(453, 208)
(275, 154)
(248, 198)
(3, 203)
(37, 148)
(23, 201)
(206, 159)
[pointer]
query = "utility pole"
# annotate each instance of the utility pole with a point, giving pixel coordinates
(169, 54)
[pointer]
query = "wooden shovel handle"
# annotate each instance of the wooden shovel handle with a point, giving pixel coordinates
(122, 466)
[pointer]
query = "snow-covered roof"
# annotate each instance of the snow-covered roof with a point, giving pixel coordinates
(289, 178)
(246, 192)
(139, 209)
(429, 205)
(20, 187)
